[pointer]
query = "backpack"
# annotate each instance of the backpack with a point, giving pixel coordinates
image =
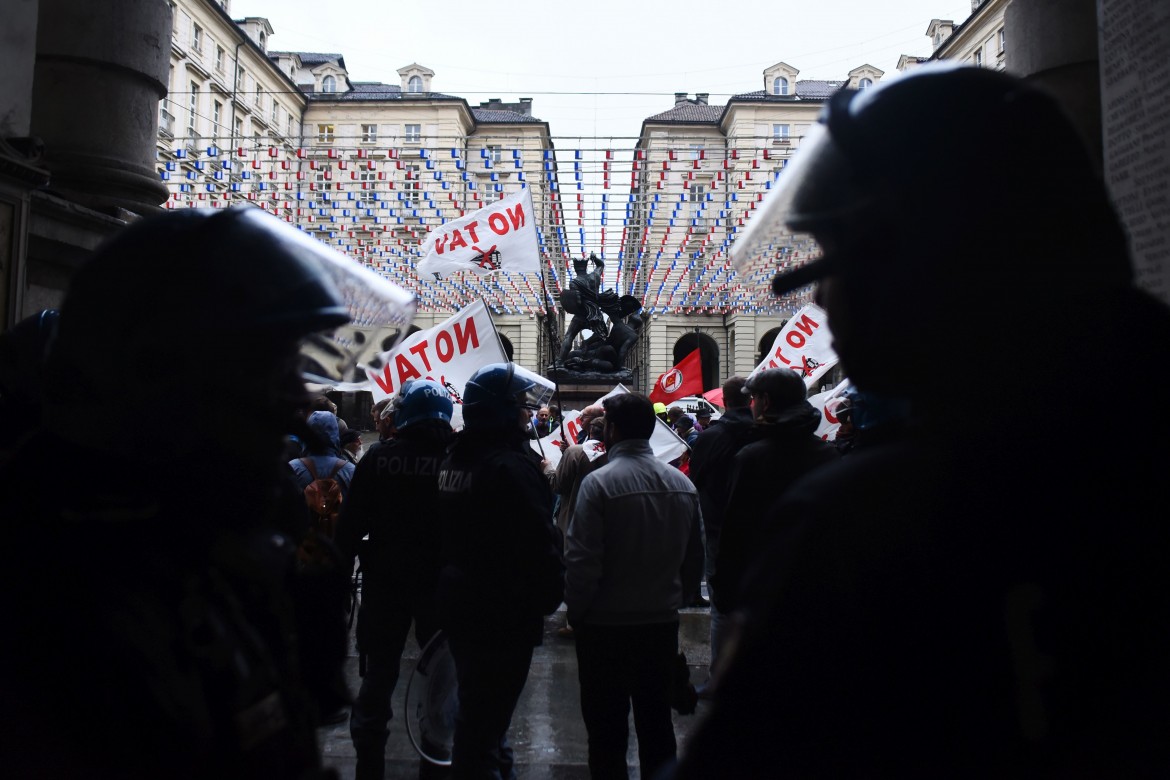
(323, 497)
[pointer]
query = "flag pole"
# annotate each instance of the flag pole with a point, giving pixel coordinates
(554, 344)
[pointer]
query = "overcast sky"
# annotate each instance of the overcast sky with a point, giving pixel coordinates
(577, 61)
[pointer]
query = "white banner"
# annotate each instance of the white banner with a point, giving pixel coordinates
(448, 353)
(665, 443)
(826, 403)
(549, 447)
(498, 237)
(805, 345)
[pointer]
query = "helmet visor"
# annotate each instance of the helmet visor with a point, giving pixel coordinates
(541, 392)
(379, 314)
(772, 243)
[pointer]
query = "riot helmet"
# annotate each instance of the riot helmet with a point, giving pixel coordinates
(950, 196)
(497, 392)
(424, 399)
(179, 307)
(940, 154)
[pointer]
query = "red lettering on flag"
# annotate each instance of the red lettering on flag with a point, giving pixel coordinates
(467, 335)
(405, 369)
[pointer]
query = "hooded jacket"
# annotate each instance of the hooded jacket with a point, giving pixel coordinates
(324, 424)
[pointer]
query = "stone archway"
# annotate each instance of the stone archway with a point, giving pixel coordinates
(767, 340)
(507, 344)
(708, 354)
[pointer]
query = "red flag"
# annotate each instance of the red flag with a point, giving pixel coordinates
(684, 379)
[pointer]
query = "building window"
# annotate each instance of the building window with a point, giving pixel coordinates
(275, 115)
(1000, 37)
(166, 120)
(781, 134)
(328, 84)
(494, 153)
(780, 86)
(978, 57)
(369, 134)
(238, 129)
(369, 181)
(698, 193)
(216, 114)
(414, 84)
(697, 151)
(413, 186)
(490, 195)
(193, 111)
(413, 133)
(325, 134)
(323, 183)
(258, 98)
(240, 80)
(197, 38)
(865, 84)
(220, 56)
(288, 125)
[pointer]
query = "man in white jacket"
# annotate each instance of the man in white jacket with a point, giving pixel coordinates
(626, 543)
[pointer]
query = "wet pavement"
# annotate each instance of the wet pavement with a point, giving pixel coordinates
(547, 733)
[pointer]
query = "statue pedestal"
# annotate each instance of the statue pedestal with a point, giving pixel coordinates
(579, 389)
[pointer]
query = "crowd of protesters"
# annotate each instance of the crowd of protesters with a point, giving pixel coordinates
(972, 581)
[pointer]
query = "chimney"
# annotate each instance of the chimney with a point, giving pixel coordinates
(680, 97)
(526, 106)
(701, 98)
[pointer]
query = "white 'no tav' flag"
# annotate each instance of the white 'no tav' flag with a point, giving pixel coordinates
(498, 237)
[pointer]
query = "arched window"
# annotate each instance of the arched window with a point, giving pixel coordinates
(780, 86)
(865, 84)
(414, 85)
(328, 84)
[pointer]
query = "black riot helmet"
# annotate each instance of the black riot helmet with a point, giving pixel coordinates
(497, 392)
(943, 200)
(182, 309)
(946, 160)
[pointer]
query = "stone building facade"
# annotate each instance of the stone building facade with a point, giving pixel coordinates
(185, 106)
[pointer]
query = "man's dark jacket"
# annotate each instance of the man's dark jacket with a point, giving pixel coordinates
(786, 449)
